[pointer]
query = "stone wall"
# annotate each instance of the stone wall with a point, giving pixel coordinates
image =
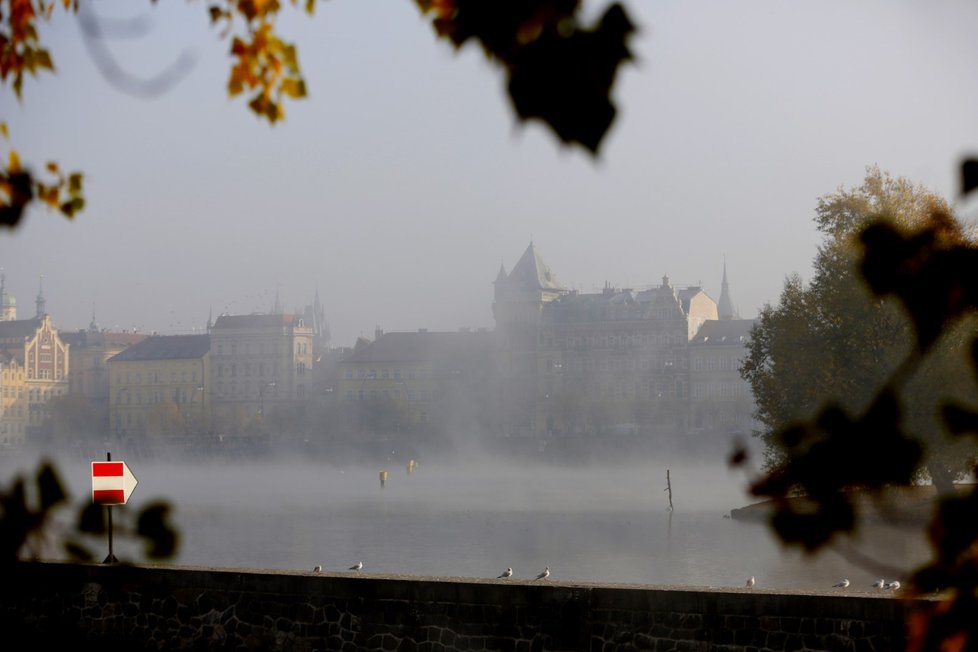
(120, 607)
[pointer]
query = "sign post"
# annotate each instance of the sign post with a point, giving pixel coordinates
(112, 484)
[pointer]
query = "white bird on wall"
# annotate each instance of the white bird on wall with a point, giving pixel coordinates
(891, 586)
(317, 569)
(750, 582)
(841, 585)
(357, 566)
(879, 584)
(505, 574)
(544, 575)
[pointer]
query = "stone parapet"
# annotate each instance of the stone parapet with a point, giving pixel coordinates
(128, 607)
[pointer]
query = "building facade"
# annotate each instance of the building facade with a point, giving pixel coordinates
(35, 368)
(720, 400)
(260, 363)
(157, 387)
(575, 363)
(419, 380)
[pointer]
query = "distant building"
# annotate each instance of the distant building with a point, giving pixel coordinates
(34, 368)
(90, 353)
(720, 400)
(8, 304)
(571, 362)
(157, 387)
(421, 379)
(260, 362)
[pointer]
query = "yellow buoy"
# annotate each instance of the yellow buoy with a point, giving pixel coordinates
(383, 479)
(410, 466)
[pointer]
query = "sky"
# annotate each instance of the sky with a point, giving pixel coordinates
(402, 183)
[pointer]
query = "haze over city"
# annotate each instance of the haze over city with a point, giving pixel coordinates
(399, 186)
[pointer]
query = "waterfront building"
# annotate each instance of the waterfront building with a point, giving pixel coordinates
(261, 363)
(158, 387)
(34, 369)
(407, 381)
(720, 400)
(613, 361)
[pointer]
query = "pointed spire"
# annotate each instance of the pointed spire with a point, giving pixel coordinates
(210, 318)
(501, 276)
(93, 327)
(40, 298)
(725, 308)
(277, 308)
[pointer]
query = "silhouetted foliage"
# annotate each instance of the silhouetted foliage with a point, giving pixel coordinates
(559, 71)
(917, 263)
(29, 529)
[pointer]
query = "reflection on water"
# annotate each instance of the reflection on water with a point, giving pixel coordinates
(588, 524)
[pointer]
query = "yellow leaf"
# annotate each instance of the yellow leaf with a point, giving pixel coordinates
(43, 60)
(14, 161)
(74, 183)
(295, 88)
(3, 130)
(52, 167)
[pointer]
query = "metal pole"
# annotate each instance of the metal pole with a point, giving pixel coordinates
(111, 558)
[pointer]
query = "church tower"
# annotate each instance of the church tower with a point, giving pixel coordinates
(40, 302)
(8, 304)
(725, 308)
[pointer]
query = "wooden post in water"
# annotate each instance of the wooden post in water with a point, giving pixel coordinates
(669, 489)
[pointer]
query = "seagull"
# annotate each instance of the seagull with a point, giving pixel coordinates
(891, 586)
(750, 582)
(841, 585)
(879, 584)
(544, 575)
(317, 569)
(357, 566)
(506, 573)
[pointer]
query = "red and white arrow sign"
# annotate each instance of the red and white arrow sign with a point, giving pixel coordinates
(112, 483)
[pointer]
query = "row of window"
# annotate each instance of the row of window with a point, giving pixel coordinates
(715, 363)
(257, 369)
(385, 374)
(622, 341)
(410, 396)
(721, 390)
(155, 377)
(257, 348)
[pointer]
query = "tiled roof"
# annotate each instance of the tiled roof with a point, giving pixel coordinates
(166, 347)
(19, 328)
(723, 331)
(531, 272)
(227, 322)
(83, 339)
(422, 346)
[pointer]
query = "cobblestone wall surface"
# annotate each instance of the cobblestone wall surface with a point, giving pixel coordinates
(121, 607)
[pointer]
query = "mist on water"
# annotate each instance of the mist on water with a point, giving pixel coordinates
(475, 516)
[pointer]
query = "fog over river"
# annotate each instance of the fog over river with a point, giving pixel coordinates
(606, 523)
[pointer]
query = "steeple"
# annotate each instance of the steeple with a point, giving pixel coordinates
(210, 318)
(8, 304)
(277, 308)
(40, 298)
(725, 308)
(93, 327)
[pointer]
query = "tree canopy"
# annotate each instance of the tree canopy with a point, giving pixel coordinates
(865, 378)
(833, 342)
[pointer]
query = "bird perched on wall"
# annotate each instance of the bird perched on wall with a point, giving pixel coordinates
(891, 586)
(750, 582)
(879, 584)
(544, 575)
(357, 566)
(841, 585)
(505, 574)
(317, 569)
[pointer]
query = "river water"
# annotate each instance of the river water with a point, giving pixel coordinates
(606, 523)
